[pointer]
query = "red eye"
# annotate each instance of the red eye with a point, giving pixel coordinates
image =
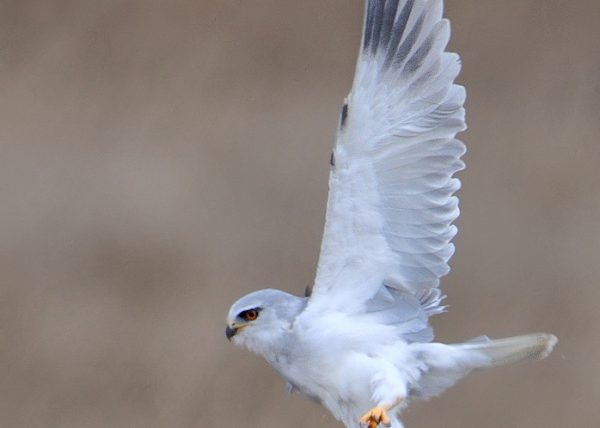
(250, 315)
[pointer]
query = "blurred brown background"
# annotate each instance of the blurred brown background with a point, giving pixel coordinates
(161, 158)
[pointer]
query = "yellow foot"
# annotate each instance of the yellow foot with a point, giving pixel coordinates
(375, 416)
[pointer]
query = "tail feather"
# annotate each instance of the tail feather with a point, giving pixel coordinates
(446, 364)
(510, 350)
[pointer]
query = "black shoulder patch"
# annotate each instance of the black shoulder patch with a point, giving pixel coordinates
(344, 115)
(332, 159)
(308, 290)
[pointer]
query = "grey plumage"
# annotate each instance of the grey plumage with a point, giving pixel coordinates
(361, 343)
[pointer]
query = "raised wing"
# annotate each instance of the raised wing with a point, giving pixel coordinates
(391, 205)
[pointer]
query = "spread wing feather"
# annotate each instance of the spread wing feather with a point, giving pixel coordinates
(391, 205)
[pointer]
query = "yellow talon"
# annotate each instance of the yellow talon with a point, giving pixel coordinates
(375, 416)
(379, 415)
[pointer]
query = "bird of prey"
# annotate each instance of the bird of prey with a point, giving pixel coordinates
(361, 343)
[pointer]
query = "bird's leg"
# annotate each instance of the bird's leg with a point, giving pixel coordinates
(379, 415)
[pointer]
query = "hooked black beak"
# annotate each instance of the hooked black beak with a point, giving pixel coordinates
(230, 332)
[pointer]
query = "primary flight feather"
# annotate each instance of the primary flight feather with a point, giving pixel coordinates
(361, 344)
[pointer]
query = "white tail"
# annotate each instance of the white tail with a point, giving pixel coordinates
(479, 353)
(512, 349)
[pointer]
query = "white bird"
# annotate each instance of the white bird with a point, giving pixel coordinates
(361, 344)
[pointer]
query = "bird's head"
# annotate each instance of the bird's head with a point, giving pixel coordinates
(258, 319)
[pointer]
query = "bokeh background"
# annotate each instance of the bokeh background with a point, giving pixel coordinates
(161, 158)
